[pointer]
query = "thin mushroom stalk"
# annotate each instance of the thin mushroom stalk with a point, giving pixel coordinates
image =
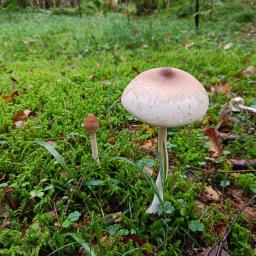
(164, 166)
(94, 145)
(91, 125)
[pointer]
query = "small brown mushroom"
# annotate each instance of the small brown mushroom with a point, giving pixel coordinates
(91, 125)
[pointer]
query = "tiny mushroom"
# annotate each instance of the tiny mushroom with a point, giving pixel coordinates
(237, 103)
(91, 125)
(165, 97)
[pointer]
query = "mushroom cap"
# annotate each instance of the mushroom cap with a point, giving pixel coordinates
(167, 97)
(91, 123)
(235, 102)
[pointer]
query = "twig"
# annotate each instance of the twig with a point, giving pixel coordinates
(222, 240)
(237, 171)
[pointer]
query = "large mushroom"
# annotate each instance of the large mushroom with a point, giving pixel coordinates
(165, 97)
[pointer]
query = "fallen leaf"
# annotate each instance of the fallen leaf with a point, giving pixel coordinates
(122, 58)
(188, 45)
(4, 212)
(20, 118)
(12, 202)
(105, 82)
(211, 194)
(239, 201)
(133, 127)
(5, 128)
(9, 98)
(148, 170)
(149, 146)
(214, 137)
(226, 124)
(206, 120)
(134, 238)
(114, 217)
(228, 46)
(30, 41)
(91, 77)
(228, 137)
(8, 192)
(221, 88)
(249, 71)
(136, 70)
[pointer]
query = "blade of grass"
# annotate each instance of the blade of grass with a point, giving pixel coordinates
(82, 243)
(59, 249)
(56, 155)
(147, 177)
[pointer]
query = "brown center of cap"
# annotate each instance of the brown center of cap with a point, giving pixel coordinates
(166, 72)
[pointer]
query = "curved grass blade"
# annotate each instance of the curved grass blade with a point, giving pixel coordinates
(59, 249)
(56, 155)
(81, 241)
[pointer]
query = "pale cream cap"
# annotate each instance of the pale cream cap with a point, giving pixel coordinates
(167, 97)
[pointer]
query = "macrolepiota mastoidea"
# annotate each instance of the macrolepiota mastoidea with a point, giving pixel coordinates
(165, 97)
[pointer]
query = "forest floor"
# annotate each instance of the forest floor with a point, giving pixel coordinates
(55, 200)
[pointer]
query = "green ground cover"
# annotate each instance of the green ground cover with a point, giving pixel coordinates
(64, 68)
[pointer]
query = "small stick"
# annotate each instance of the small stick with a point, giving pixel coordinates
(224, 238)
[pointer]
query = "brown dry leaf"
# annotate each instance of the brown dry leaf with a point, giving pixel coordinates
(206, 120)
(30, 41)
(12, 202)
(9, 98)
(149, 146)
(64, 174)
(201, 206)
(105, 82)
(249, 71)
(4, 212)
(5, 128)
(188, 45)
(214, 137)
(133, 127)
(136, 70)
(144, 46)
(221, 88)
(211, 194)
(15, 79)
(122, 58)
(228, 46)
(148, 170)
(239, 201)
(226, 125)
(114, 217)
(20, 118)
(91, 77)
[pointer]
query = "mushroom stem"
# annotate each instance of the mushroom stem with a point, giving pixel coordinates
(164, 166)
(94, 147)
(247, 108)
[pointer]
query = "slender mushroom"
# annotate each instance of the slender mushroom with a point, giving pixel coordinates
(237, 103)
(91, 125)
(165, 97)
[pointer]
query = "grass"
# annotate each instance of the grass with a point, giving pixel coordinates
(64, 68)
